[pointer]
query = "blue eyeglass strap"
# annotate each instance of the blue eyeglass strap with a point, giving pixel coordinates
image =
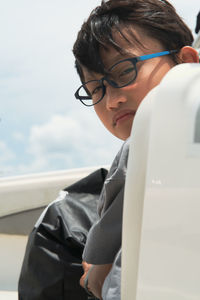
(148, 56)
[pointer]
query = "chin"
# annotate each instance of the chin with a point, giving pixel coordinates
(123, 136)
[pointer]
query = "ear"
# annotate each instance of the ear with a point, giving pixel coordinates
(188, 54)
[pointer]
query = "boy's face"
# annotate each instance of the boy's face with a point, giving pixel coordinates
(118, 107)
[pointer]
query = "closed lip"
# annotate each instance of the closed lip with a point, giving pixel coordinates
(121, 115)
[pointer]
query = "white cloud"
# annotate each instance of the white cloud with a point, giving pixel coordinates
(61, 143)
(72, 143)
(18, 136)
(5, 153)
(6, 159)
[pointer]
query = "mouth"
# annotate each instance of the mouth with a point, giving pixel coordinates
(123, 116)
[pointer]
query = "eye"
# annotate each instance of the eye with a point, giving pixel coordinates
(126, 71)
(93, 87)
(96, 90)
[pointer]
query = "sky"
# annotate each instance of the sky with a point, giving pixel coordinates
(42, 126)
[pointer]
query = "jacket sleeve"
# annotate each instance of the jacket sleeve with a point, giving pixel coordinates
(104, 238)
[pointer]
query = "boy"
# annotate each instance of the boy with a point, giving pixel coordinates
(122, 51)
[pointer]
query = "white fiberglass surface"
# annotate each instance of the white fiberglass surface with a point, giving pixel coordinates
(169, 264)
(161, 225)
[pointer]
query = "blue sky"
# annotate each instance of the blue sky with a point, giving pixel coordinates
(42, 126)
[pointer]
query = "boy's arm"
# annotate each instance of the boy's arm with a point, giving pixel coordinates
(96, 277)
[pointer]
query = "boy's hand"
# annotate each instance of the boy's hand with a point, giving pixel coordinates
(86, 268)
(96, 278)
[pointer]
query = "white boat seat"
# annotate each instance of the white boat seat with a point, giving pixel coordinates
(161, 221)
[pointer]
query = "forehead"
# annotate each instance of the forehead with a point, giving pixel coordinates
(134, 42)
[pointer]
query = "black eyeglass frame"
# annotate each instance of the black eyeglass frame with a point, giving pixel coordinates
(133, 60)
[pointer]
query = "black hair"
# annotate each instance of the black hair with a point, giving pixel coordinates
(157, 18)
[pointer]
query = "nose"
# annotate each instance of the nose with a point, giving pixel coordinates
(114, 97)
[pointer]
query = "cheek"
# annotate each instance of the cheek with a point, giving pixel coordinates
(138, 91)
(97, 110)
(152, 74)
(101, 113)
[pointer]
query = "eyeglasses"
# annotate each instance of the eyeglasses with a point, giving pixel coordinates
(119, 75)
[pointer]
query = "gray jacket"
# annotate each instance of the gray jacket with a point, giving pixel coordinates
(104, 238)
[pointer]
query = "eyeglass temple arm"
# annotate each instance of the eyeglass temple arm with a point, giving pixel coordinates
(148, 56)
